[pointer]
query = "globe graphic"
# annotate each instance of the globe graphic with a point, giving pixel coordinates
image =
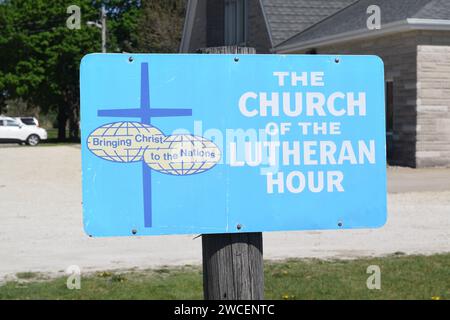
(183, 155)
(124, 141)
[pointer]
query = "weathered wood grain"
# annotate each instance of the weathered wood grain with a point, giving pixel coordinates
(233, 266)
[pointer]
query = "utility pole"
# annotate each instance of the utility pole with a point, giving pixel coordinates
(101, 25)
(103, 29)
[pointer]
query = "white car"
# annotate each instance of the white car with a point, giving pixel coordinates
(12, 130)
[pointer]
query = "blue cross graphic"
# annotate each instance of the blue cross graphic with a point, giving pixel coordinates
(145, 112)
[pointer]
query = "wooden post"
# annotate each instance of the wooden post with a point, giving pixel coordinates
(233, 266)
(233, 262)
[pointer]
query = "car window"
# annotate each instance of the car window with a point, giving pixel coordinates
(11, 123)
(28, 121)
(1, 123)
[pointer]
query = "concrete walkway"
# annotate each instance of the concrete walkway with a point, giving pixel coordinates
(41, 221)
(402, 180)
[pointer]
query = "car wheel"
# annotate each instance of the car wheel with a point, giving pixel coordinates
(33, 140)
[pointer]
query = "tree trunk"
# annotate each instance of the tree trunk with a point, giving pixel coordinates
(62, 121)
(2, 103)
(74, 124)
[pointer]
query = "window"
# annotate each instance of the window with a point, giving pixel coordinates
(235, 22)
(11, 123)
(389, 106)
(28, 121)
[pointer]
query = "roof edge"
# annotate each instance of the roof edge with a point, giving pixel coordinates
(188, 26)
(394, 27)
(317, 23)
(269, 30)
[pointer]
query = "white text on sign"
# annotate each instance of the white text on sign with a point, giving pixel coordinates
(313, 153)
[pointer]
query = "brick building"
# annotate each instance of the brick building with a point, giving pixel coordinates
(414, 43)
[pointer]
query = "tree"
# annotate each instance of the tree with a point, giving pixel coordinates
(123, 17)
(40, 56)
(160, 25)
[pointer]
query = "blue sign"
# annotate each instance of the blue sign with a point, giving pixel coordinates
(175, 144)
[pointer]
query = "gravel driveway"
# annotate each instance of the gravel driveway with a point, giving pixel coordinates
(41, 221)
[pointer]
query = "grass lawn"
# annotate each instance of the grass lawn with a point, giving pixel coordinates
(52, 139)
(402, 277)
(52, 134)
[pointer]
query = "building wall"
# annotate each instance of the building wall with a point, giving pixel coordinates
(215, 33)
(208, 29)
(198, 36)
(399, 53)
(433, 103)
(257, 33)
